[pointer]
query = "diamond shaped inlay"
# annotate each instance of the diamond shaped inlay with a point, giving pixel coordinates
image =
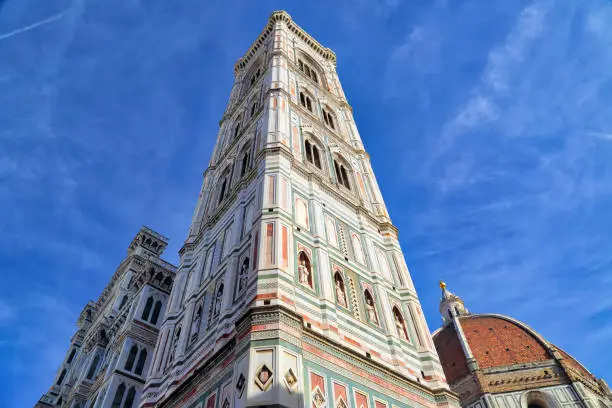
(263, 377)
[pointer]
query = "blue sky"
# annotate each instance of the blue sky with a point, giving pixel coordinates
(489, 124)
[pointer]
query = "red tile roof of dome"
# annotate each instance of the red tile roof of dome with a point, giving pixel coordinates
(495, 341)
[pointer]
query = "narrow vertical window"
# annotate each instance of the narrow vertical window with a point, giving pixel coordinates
(245, 163)
(129, 400)
(129, 363)
(156, 311)
(142, 358)
(315, 156)
(147, 309)
(118, 396)
(60, 380)
(93, 367)
(308, 149)
(71, 356)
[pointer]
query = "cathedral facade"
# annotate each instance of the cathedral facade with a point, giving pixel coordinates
(110, 355)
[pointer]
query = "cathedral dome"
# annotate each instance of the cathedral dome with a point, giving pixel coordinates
(490, 353)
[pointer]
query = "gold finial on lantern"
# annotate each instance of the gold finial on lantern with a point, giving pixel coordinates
(442, 285)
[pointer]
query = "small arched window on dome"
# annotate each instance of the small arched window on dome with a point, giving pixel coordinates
(329, 118)
(306, 101)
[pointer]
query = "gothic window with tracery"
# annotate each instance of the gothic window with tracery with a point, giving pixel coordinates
(308, 70)
(312, 154)
(341, 174)
(304, 269)
(329, 118)
(255, 76)
(305, 101)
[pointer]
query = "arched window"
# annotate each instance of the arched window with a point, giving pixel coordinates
(308, 148)
(253, 108)
(123, 302)
(309, 71)
(222, 191)
(71, 356)
(147, 309)
(142, 358)
(400, 324)
(156, 311)
(341, 174)
(312, 153)
(255, 76)
(237, 126)
(305, 101)
(60, 380)
(328, 118)
(129, 362)
(93, 367)
(118, 396)
(224, 182)
(129, 400)
(340, 290)
(245, 163)
(370, 307)
(304, 269)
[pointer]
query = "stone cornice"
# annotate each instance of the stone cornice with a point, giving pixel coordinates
(283, 16)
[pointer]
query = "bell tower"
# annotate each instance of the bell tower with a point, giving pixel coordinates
(292, 289)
